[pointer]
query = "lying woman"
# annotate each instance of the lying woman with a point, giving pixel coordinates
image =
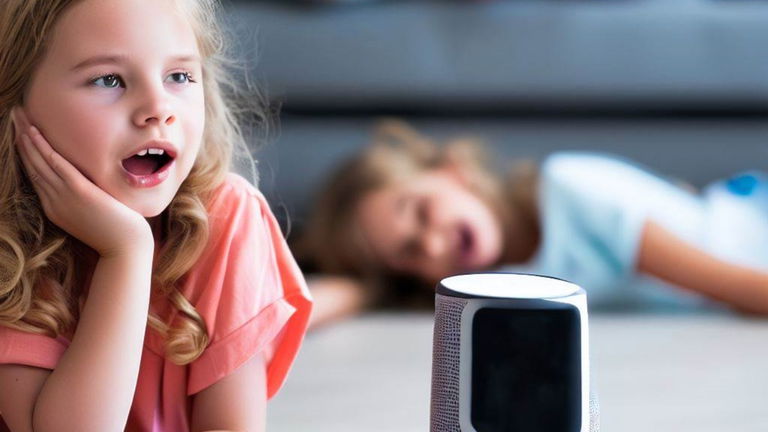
(407, 209)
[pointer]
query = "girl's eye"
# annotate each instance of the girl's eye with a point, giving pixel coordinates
(109, 81)
(182, 78)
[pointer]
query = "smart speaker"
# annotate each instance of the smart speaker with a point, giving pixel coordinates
(511, 353)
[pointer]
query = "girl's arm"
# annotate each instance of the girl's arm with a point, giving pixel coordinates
(667, 257)
(237, 402)
(93, 384)
(335, 298)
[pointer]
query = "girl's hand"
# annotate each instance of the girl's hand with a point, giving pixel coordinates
(73, 202)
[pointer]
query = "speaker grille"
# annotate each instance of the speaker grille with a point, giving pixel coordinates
(444, 407)
(594, 412)
(446, 346)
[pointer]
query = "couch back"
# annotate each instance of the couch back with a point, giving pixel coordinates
(678, 85)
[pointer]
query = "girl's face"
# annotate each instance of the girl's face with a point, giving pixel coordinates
(116, 76)
(430, 226)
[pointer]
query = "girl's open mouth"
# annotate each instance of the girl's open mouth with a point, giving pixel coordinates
(148, 168)
(466, 244)
(146, 163)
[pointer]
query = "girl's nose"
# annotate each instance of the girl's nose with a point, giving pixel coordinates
(153, 108)
(434, 243)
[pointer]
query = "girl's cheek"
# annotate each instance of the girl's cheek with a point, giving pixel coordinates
(87, 123)
(198, 105)
(196, 125)
(80, 133)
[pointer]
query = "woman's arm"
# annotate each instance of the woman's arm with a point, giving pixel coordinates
(335, 298)
(93, 384)
(667, 257)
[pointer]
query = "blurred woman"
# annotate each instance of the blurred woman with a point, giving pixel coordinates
(409, 209)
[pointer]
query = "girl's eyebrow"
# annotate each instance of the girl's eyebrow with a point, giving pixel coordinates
(118, 59)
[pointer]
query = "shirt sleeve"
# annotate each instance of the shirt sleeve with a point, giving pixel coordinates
(249, 291)
(587, 196)
(594, 208)
(30, 349)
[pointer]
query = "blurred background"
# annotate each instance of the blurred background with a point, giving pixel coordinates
(678, 85)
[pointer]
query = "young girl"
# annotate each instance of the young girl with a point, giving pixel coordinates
(408, 207)
(143, 287)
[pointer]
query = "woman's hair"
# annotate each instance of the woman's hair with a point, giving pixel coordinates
(42, 270)
(332, 242)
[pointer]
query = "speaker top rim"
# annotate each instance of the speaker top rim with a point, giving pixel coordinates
(506, 285)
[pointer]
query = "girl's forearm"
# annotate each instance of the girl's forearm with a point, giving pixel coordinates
(669, 258)
(93, 384)
(335, 298)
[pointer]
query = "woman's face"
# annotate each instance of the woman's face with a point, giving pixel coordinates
(115, 77)
(430, 226)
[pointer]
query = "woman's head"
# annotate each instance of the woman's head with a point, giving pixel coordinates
(101, 78)
(407, 206)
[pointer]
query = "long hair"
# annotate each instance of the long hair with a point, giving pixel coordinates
(332, 242)
(42, 270)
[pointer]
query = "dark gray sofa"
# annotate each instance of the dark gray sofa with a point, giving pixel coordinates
(680, 85)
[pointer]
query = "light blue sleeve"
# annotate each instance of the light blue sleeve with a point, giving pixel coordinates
(737, 229)
(593, 211)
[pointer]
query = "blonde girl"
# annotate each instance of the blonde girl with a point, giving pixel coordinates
(143, 286)
(409, 207)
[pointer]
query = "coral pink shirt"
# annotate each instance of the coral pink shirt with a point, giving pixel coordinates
(248, 289)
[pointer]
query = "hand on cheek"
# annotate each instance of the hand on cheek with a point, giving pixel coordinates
(74, 203)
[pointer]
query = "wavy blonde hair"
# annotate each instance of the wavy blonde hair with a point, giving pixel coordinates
(331, 241)
(42, 274)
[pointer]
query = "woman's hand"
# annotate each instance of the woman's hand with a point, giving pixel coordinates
(73, 202)
(336, 298)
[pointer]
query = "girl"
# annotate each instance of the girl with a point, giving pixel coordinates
(405, 207)
(143, 287)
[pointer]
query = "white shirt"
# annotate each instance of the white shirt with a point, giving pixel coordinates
(593, 208)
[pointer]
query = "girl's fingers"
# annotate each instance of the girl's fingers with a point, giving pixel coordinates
(61, 167)
(21, 147)
(47, 183)
(21, 127)
(55, 169)
(37, 182)
(39, 172)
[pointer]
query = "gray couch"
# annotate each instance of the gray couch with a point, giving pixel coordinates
(677, 84)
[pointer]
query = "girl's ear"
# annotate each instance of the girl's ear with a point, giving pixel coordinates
(19, 119)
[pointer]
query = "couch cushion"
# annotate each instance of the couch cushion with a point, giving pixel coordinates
(511, 54)
(697, 150)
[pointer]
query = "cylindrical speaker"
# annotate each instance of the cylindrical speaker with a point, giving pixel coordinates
(511, 353)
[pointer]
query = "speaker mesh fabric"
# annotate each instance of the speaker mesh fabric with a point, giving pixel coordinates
(594, 413)
(444, 406)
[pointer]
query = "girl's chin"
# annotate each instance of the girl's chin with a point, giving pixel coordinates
(152, 215)
(148, 207)
(149, 211)
(484, 260)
